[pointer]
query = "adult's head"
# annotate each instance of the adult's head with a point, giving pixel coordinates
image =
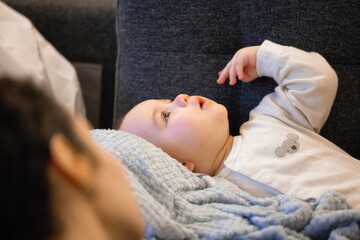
(194, 130)
(54, 181)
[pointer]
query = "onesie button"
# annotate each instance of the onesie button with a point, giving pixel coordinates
(268, 178)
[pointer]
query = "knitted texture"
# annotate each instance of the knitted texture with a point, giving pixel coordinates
(176, 204)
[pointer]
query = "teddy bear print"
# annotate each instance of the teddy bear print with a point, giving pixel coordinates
(290, 145)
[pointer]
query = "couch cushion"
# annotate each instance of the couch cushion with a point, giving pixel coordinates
(328, 27)
(172, 47)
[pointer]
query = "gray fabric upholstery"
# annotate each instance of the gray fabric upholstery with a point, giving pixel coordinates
(171, 47)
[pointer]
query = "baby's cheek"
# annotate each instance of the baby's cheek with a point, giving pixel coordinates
(187, 133)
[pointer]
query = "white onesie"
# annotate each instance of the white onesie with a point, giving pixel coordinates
(279, 149)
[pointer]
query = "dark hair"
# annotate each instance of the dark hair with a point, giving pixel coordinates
(28, 120)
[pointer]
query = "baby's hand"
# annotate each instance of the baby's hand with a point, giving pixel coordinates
(242, 66)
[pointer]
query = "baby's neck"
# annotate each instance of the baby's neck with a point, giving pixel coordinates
(222, 156)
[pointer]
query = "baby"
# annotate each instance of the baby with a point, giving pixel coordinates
(279, 149)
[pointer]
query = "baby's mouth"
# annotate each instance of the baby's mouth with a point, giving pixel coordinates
(202, 103)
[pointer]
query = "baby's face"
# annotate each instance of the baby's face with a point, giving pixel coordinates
(190, 129)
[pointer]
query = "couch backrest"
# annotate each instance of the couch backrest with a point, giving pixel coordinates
(171, 47)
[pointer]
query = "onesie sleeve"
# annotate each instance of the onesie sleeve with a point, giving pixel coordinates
(306, 88)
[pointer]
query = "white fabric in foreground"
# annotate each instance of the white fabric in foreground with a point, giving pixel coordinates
(25, 53)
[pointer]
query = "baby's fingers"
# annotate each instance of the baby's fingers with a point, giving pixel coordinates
(239, 71)
(232, 75)
(223, 75)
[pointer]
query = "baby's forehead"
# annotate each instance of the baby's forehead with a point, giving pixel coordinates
(139, 117)
(152, 102)
(140, 120)
(146, 104)
(146, 109)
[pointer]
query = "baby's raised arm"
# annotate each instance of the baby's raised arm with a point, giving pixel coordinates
(242, 66)
(307, 83)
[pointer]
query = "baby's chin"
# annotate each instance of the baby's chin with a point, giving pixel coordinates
(223, 118)
(224, 112)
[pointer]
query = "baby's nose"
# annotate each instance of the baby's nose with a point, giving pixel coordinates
(182, 100)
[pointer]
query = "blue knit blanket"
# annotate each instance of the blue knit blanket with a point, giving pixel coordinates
(176, 204)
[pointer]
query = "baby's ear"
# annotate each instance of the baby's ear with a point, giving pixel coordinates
(189, 165)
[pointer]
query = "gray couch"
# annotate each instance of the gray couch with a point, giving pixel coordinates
(172, 47)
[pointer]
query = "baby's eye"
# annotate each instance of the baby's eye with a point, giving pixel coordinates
(165, 116)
